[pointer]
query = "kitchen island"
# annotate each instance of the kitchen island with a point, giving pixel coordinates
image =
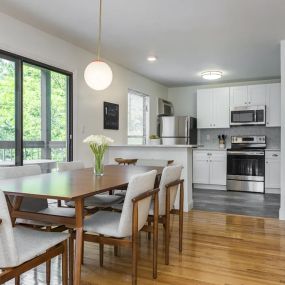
(181, 154)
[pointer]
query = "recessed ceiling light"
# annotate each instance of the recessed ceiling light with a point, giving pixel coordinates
(152, 58)
(211, 75)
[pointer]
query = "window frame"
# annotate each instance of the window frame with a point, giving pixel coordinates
(19, 63)
(146, 106)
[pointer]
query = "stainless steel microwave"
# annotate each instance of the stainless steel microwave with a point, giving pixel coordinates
(249, 115)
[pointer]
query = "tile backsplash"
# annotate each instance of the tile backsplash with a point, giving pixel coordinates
(209, 137)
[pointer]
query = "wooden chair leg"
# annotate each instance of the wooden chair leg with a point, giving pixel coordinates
(82, 257)
(116, 250)
(155, 237)
(64, 265)
(101, 252)
(48, 266)
(17, 280)
(149, 233)
(71, 257)
(167, 229)
(181, 202)
(134, 258)
(48, 263)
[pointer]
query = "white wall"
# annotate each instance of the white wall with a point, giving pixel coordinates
(282, 200)
(184, 99)
(23, 39)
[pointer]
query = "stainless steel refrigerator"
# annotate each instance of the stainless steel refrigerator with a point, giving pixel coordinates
(178, 130)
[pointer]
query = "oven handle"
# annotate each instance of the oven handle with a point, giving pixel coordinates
(260, 153)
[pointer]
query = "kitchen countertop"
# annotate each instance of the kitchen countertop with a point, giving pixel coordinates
(158, 146)
(272, 149)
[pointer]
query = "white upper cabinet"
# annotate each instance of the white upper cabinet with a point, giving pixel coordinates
(238, 96)
(257, 94)
(273, 103)
(213, 108)
(204, 108)
(251, 95)
(220, 107)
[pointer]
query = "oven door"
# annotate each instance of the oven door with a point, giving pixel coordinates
(246, 170)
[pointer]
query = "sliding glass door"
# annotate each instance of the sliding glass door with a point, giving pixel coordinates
(35, 113)
(7, 111)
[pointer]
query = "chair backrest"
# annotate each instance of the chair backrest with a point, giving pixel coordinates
(71, 165)
(8, 251)
(138, 184)
(28, 204)
(169, 174)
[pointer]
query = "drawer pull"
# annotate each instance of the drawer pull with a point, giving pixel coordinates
(275, 155)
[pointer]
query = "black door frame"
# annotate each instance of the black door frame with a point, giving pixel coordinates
(19, 61)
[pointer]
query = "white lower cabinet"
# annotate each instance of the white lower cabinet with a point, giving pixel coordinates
(272, 171)
(210, 167)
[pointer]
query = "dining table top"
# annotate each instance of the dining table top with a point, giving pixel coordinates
(71, 185)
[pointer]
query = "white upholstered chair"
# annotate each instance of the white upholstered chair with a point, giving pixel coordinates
(36, 205)
(112, 227)
(22, 249)
(33, 204)
(169, 185)
(98, 201)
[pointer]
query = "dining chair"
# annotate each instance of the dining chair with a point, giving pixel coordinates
(97, 201)
(169, 184)
(22, 249)
(38, 205)
(122, 229)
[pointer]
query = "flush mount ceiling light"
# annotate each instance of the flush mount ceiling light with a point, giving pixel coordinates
(152, 58)
(211, 75)
(98, 74)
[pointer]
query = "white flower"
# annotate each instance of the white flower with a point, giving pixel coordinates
(98, 140)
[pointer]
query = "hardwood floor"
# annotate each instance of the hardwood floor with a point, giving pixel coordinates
(240, 203)
(218, 249)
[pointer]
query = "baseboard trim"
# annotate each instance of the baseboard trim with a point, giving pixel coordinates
(272, 190)
(210, 187)
(282, 214)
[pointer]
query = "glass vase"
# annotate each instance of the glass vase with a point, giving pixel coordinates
(99, 165)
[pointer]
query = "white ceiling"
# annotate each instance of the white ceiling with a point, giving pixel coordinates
(239, 37)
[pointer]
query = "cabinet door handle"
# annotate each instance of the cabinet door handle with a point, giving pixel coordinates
(245, 103)
(266, 161)
(275, 155)
(249, 102)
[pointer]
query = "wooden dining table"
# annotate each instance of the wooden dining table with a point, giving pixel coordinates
(74, 186)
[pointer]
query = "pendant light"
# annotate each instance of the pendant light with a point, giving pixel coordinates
(98, 74)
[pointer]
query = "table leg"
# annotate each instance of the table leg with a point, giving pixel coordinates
(79, 240)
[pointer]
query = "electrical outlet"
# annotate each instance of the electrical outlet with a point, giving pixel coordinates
(208, 137)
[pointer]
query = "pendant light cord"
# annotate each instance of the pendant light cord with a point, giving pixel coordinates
(100, 28)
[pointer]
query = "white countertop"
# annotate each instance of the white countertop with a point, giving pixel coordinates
(159, 146)
(272, 149)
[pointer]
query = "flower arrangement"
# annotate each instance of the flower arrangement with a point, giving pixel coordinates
(98, 145)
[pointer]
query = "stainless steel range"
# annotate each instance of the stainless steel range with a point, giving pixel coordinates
(246, 164)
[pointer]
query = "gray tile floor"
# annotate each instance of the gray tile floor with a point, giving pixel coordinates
(241, 203)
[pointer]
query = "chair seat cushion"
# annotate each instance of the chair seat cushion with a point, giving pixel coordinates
(59, 211)
(100, 201)
(31, 243)
(104, 222)
(118, 207)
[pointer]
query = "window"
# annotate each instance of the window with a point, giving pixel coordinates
(138, 117)
(35, 112)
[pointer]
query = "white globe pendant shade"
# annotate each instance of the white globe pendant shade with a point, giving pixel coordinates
(98, 75)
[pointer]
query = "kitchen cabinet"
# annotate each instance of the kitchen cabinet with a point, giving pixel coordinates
(209, 167)
(213, 108)
(251, 95)
(256, 94)
(273, 103)
(238, 96)
(272, 169)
